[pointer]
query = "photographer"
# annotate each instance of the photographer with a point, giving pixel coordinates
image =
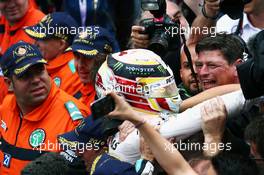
(141, 39)
(249, 24)
(243, 18)
(251, 73)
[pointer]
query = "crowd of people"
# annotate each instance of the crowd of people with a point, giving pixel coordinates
(131, 87)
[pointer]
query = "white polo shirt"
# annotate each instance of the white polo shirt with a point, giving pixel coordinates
(226, 24)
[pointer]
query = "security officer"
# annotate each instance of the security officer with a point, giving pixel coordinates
(36, 113)
(53, 35)
(15, 15)
(90, 49)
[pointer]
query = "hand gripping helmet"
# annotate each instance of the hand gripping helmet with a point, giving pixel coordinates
(142, 78)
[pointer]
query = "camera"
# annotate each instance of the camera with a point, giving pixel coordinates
(102, 106)
(164, 33)
(233, 8)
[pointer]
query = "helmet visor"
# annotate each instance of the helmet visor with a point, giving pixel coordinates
(158, 87)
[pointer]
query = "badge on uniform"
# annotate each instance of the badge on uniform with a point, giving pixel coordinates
(71, 66)
(57, 81)
(3, 125)
(37, 137)
(7, 160)
(73, 111)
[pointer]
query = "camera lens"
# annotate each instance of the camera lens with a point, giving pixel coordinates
(159, 43)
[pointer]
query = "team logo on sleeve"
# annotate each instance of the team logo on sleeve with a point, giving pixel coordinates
(3, 125)
(37, 137)
(57, 81)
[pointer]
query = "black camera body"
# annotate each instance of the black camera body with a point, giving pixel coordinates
(164, 33)
(102, 106)
(233, 8)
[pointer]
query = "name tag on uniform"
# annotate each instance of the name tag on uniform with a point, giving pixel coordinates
(7, 160)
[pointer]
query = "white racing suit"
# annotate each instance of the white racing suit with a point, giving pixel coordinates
(180, 125)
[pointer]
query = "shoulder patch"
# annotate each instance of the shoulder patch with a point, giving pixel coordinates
(71, 66)
(37, 137)
(3, 125)
(73, 111)
(57, 81)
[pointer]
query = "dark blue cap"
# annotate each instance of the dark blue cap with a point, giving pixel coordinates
(112, 166)
(55, 25)
(94, 40)
(19, 58)
(88, 131)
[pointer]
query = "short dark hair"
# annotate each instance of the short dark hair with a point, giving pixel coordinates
(230, 46)
(227, 163)
(54, 164)
(255, 133)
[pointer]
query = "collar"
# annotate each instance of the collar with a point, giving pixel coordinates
(247, 23)
(87, 89)
(59, 61)
(184, 91)
(12, 29)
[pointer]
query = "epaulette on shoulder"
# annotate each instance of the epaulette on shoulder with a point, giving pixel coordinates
(73, 111)
(71, 66)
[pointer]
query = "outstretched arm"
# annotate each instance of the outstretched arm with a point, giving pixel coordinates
(207, 94)
(189, 121)
(174, 162)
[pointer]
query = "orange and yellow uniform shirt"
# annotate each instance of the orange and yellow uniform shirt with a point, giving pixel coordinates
(12, 34)
(24, 138)
(3, 89)
(62, 70)
(88, 94)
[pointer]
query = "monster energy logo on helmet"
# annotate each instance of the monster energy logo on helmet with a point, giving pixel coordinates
(132, 71)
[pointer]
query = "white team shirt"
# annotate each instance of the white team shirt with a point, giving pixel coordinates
(226, 24)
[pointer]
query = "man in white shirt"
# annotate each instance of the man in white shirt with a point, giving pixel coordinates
(251, 23)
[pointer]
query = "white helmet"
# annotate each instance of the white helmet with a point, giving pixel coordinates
(142, 78)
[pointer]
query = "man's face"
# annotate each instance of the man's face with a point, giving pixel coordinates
(84, 67)
(49, 48)
(254, 7)
(213, 70)
(32, 88)
(13, 10)
(185, 71)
